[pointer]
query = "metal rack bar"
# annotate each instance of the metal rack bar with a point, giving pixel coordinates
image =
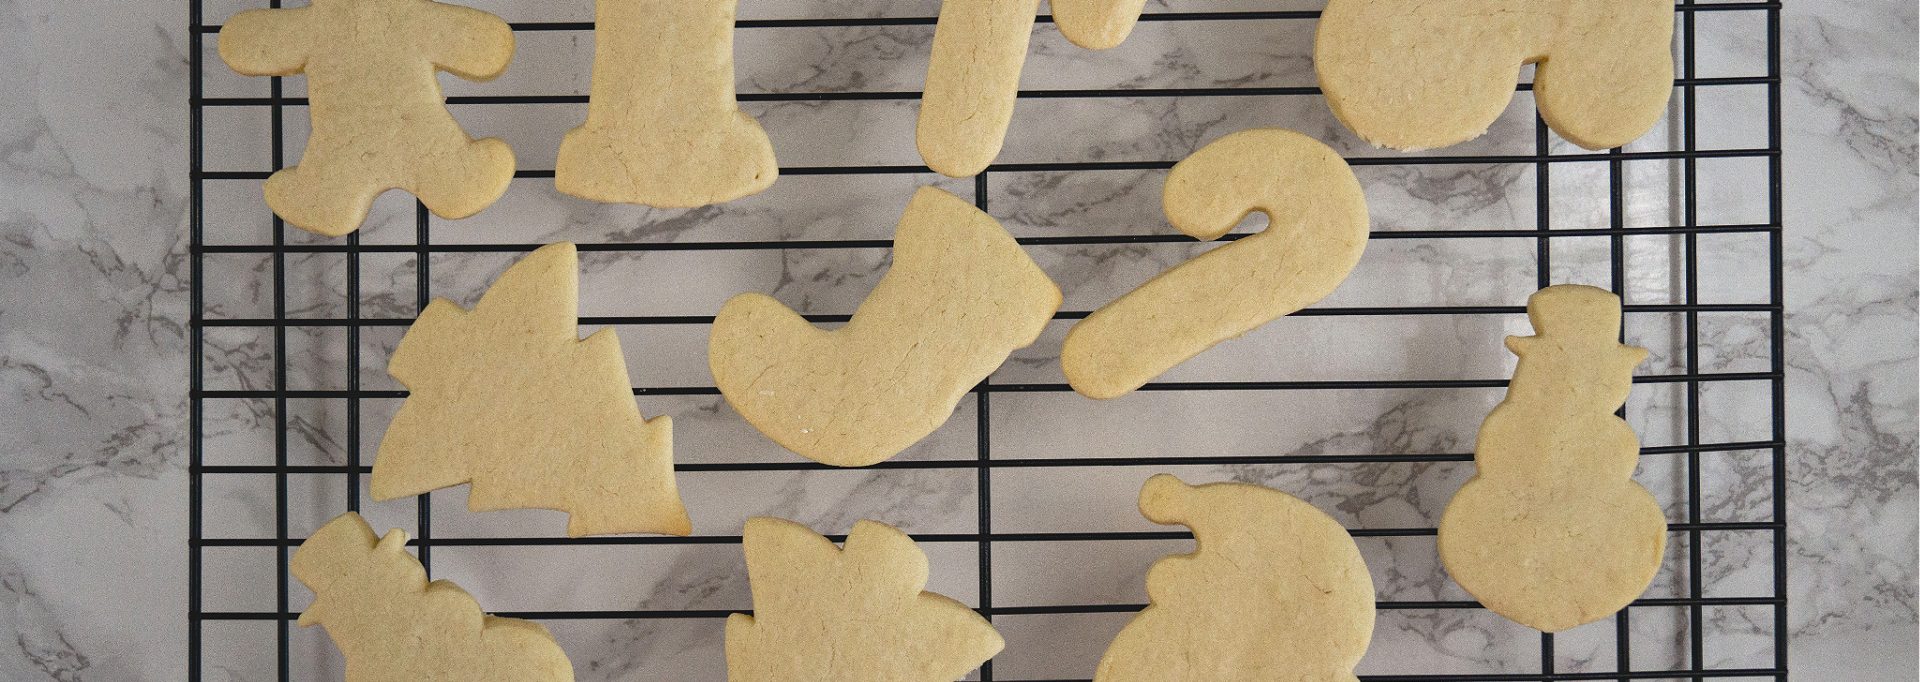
(1776, 295)
(196, 346)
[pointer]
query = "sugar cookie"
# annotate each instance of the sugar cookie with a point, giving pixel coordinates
(1317, 228)
(379, 120)
(1276, 591)
(960, 297)
(1553, 532)
(853, 615)
(973, 79)
(1432, 73)
(374, 600)
(1096, 24)
(662, 127)
(508, 397)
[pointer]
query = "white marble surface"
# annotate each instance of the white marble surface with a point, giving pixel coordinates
(93, 344)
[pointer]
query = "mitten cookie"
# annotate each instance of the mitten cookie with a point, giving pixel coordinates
(852, 615)
(1423, 74)
(379, 120)
(1316, 230)
(662, 127)
(1276, 591)
(374, 600)
(960, 297)
(1553, 532)
(509, 397)
(973, 79)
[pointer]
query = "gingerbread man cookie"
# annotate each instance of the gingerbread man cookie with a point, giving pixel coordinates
(379, 120)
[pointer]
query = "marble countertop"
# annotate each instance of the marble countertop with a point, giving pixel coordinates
(94, 338)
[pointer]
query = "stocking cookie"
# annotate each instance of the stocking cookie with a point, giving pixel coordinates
(662, 127)
(508, 397)
(852, 615)
(374, 600)
(1276, 591)
(960, 297)
(973, 79)
(1553, 532)
(1431, 73)
(1316, 230)
(379, 120)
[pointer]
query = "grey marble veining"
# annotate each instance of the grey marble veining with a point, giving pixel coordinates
(94, 200)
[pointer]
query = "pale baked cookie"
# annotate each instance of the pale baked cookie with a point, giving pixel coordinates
(973, 79)
(662, 127)
(379, 120)
(1096, 24)
(1553, 532)
(960, 297)
(1317, 228)
(1276, 591)
(509, 397)
(1423, 74)
(374, 600)
(852, 615)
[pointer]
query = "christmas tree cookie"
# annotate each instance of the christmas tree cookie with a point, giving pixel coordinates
(509, 397)
(1553, 532)
(374, 600)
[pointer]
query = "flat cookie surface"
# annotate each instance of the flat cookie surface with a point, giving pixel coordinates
(1552, 531)
(852, 615)
(379, 120)
(1096, 24)
(508, 396)
(960, 296)
(973, 78)
(1425, 74)
(374, 600)
(1276, 591)
(662, 127)
(1317, 229)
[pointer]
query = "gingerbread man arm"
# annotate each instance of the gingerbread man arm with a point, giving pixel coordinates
(266, 42)
(467, 42)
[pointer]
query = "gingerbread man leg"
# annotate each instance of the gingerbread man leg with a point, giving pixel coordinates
(466, 176)
(316, 198)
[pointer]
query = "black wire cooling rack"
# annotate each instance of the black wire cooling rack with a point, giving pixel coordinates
(1685, 156)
